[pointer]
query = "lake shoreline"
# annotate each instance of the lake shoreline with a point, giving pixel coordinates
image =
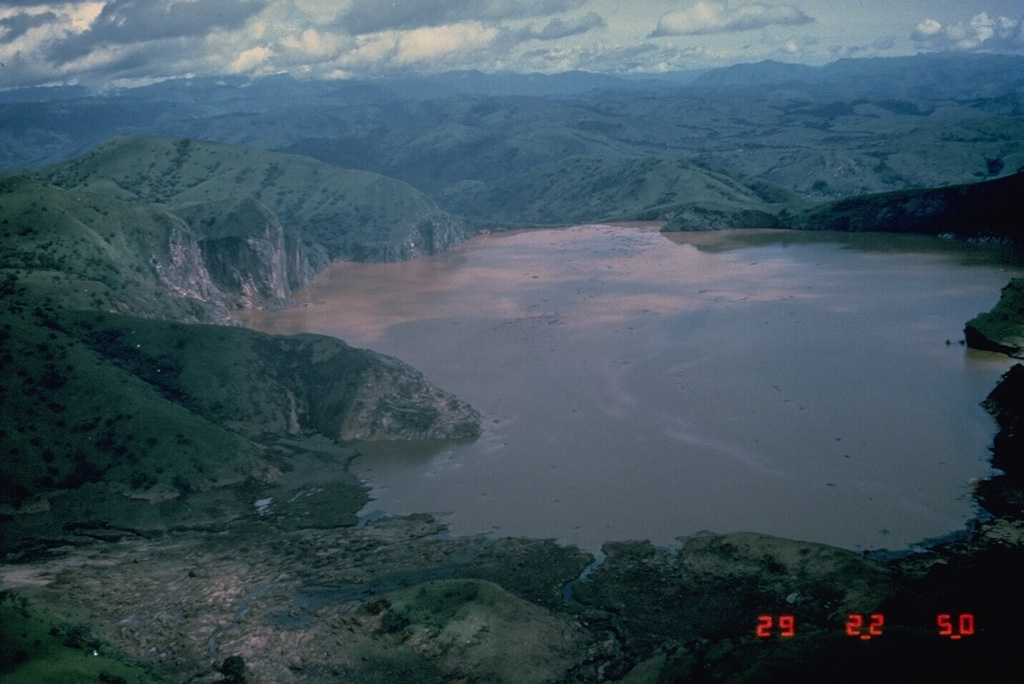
(288, 581)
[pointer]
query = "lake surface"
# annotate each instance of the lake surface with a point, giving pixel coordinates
(640, 385)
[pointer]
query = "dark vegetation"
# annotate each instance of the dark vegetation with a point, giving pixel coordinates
(988, 210)
(1003, 494)
(501, 148)
(40, 647)
(124, 418)
(1002, 328)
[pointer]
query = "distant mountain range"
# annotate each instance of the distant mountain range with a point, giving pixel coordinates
(699, 150)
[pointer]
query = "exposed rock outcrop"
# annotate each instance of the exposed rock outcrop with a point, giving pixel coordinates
(395, 401)
(1003, 495)
(179, 264)
(242, 244)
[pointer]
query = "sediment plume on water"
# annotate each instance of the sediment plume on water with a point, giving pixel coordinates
(635, 385)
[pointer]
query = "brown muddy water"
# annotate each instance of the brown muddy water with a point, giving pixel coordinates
(640, 385)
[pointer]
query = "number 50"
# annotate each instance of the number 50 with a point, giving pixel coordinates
(964, 625)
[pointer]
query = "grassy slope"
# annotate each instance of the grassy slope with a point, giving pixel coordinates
(816, 147)
(87, 249)
(74, 415)
(1002, 328)
(580, 189)
(37, 648)
(349, 214)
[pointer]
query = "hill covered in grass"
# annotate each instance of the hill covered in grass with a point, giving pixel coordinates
(119, 408)
(107, 417)
(186, 231)
(334, 213)
(580, 189)
(1001, 329)
(989, 209)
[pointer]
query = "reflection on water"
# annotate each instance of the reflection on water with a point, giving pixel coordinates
(638, 385)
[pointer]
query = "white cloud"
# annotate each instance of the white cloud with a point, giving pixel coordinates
(249, 60)
(718, 17)
(313, 44)
(133, 22)
(979, 33)
(928, 27)
(371, 16)
(642, 58)
(425, 45)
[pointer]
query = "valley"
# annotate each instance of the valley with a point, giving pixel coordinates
(184, 499)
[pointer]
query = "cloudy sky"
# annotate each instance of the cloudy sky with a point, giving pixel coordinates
(111, 42)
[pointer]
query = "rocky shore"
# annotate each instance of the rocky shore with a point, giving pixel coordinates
(282, 578)
(1001, 329)
(177, 505)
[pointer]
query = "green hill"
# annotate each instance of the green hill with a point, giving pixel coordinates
(186, 231)
(1002, 328)
(109, 418)
(990, 209)
(117, 412)
(336, 213)
(578, 189)
(87, 250)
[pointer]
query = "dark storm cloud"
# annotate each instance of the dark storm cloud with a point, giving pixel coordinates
(126, 22)
(370, 16)
(16, 25)
(560, 28)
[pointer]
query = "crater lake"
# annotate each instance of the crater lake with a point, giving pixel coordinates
(636, 384)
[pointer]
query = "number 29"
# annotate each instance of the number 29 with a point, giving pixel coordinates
(786, 625)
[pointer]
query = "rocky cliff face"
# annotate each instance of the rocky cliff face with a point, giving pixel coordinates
(395, 401)
(180, 266)
(432, 235)
(277, 385)
(321, 384)
(244, 251)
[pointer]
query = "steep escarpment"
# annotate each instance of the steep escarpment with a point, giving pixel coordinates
(259, 385)
(247, 252)
(187, 231)
(85, 250)
(120, 397)
(336, 213)
(107, 418)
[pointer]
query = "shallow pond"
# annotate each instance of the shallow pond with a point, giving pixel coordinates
(640, 385)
